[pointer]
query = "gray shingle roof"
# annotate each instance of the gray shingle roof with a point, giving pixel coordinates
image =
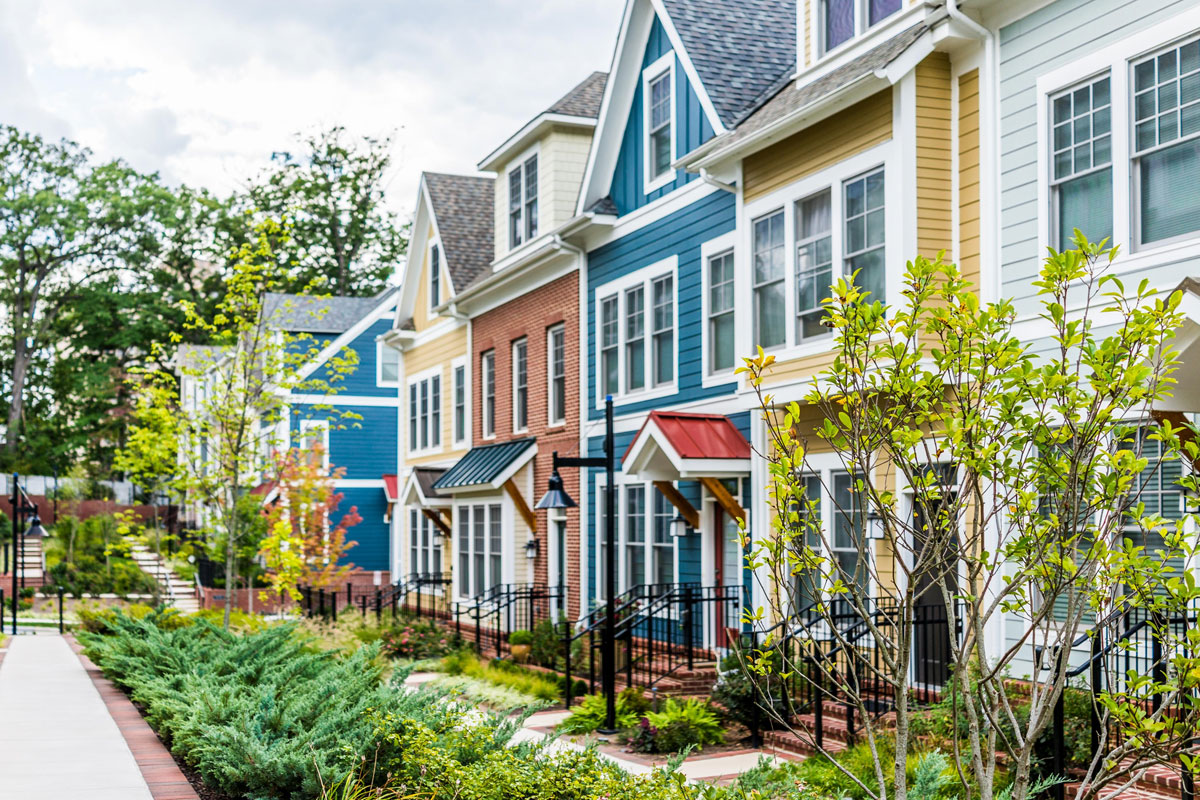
(305, 314)
(604, 205)
(740, 48)
(482, 465)
(426, 478)
(584, 99)
(462, 205)
(788, 97)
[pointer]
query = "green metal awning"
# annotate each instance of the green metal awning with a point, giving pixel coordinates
(487, 466)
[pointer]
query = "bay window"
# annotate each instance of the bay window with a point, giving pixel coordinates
(1082, 163)
(645, 551)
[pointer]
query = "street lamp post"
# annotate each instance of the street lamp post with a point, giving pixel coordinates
(556, 497)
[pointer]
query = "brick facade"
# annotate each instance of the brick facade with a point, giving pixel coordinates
(531, 316)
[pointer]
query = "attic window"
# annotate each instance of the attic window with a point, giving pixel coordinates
(842, 20)
(523, 202)
(659, 102)
(435, 276)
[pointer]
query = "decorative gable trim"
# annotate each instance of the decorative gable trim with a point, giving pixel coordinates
(381, 311)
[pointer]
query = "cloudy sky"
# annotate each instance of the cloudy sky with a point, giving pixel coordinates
(203, 91)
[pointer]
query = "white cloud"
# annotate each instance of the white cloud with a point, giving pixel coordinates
(205, 91)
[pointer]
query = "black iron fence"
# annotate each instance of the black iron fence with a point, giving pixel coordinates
(505, 608)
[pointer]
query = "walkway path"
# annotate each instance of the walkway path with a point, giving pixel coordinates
(57, 738)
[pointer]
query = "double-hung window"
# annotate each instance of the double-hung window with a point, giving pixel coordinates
(425, 413)
(721, 346)
(389, 365)
(842, 20)
(645, 551)
(523, 202)
(1081, 175)
(487, 377)
(480, 547)
(635, 535)
(769, 291)
(1166, 144)
(520, 384)
(556, 366)
(460, 403)
(814, 263)
(864, 233)
(435, 276)
(849, 531)
(663, 546)
(636, 343)
(424, 544)
(660, 110)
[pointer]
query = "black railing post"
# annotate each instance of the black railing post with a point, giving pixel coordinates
(1159, 667)
(419, 588)
(61, 628)
(333, 604)
(350, 593)
(567, 663)
(689, 635)
(378, 606)
(321, 602)
(819, 705)
(362, 602)
(1097, 677)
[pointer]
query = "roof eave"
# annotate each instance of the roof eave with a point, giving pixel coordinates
(533, 129)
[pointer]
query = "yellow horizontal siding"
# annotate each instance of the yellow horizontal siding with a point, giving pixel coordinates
(862, 126)
(797, 368)
(968, 175)
(438, 352)
(935, 195)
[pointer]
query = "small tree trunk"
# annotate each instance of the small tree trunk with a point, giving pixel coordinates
(16, 407)
(230, 575)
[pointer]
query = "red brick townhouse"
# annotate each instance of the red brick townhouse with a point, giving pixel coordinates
(524, 351)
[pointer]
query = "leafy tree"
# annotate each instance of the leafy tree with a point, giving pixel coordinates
(981, 477)
(343, 237)
(65, 223)
(232, 408)
(301, 547)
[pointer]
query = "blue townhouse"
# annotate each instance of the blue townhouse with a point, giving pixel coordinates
(363, 442)
(658, 324)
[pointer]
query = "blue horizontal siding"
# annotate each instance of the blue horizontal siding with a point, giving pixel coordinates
(362, 380)
(681, 234)
(365, 447)
(691, 129)
(371, 535)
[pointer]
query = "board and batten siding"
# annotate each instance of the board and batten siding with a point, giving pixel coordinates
(853, 130)
(968, 177)
(1038, 43)
(935, 179)
(680, 234)
(692, 129)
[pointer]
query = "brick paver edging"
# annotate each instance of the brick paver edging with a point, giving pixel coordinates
(158, 767)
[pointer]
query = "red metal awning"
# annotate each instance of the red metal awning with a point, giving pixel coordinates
(391, 487)
(677, 444)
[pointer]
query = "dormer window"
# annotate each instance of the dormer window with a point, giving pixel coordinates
(523, 202)
(842, 20)
(435, 276)
(659, 145)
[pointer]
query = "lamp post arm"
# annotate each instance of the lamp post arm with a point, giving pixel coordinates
(568, 462)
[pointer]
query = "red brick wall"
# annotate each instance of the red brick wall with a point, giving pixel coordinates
(531, 315)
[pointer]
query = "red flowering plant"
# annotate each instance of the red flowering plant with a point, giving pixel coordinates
(416, 638)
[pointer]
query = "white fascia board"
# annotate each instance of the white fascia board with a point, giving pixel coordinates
(649, 441)
(535, 127)
(692, 468)
(422, 219)
(379, 312)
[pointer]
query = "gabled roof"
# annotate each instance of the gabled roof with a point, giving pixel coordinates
(487, 466)
(464, 215)
(675, 445)
(739, 47)
(307, 314)
(584, 98)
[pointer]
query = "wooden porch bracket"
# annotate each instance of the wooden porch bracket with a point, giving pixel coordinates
(522, 507)
(685, 509)
(1177, 420)
(435, 516)
(717, 489)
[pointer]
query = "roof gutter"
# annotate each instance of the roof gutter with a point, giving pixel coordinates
(711, 181)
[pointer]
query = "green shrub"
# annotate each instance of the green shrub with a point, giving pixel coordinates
(495, 697)
(678, 725)
(520, 638)
(503, 674)
(415, 638)
(589, 714)
(547, 645)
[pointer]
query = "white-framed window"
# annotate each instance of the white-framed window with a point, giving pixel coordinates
(435, 275)
(520, 384)
(480, 547)
(646, 550)
(424, 544)
(387, 363)
(523, 201)
(487, 379)
(425, 411)
(804, 237)
(458, 369)
(1119, 146)
(840, 21)
(314, 433)
(658, 113)
(721, 317)
(637, 346)
(556, 374)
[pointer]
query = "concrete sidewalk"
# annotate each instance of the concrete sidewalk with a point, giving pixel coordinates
(57, 738)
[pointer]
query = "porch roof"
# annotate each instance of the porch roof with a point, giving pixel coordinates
(418, 487)
(487, 466)
(676, 445)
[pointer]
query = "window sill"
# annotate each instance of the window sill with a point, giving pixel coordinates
(721, 378)
(562, 423)
(653, 185)
(665, 390)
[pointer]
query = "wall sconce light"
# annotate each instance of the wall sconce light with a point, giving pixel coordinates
(531, 548)
(679, 526)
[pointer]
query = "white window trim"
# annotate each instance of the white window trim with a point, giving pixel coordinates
(708, 249)
(413, 448)
(621, 482)
(308, 425)
(435, 242)
(518, 163)
(483, 417)
(506, 559)
(551, 422)
(513, 382)
(665, 63)
(861, 28)
(461, 361)
(380, 349)
(437, 544)
(643, 277)
(823, 466)
(885, 155)
(1117, 59)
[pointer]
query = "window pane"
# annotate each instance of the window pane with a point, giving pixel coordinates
(478, 543)
(558, 375)
(881, 9)
(720, 312)
(495, 545)
(664, 543)
(814, 263)
(424, 414)
(1085, 203)
(412, 417)
(769, 312)
(659, 125)
(464, 550)
(435, 410)
(660, 146)
(1165, 85)
(635, 342)
(768, 280)
(531, 197)
(721, 335)
(849, 530)
(839, 22)
(635, 535)
(520, 385)
(460, 403)
(664, 329)
(865, 231)
(1170, 192)
(515, 229)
